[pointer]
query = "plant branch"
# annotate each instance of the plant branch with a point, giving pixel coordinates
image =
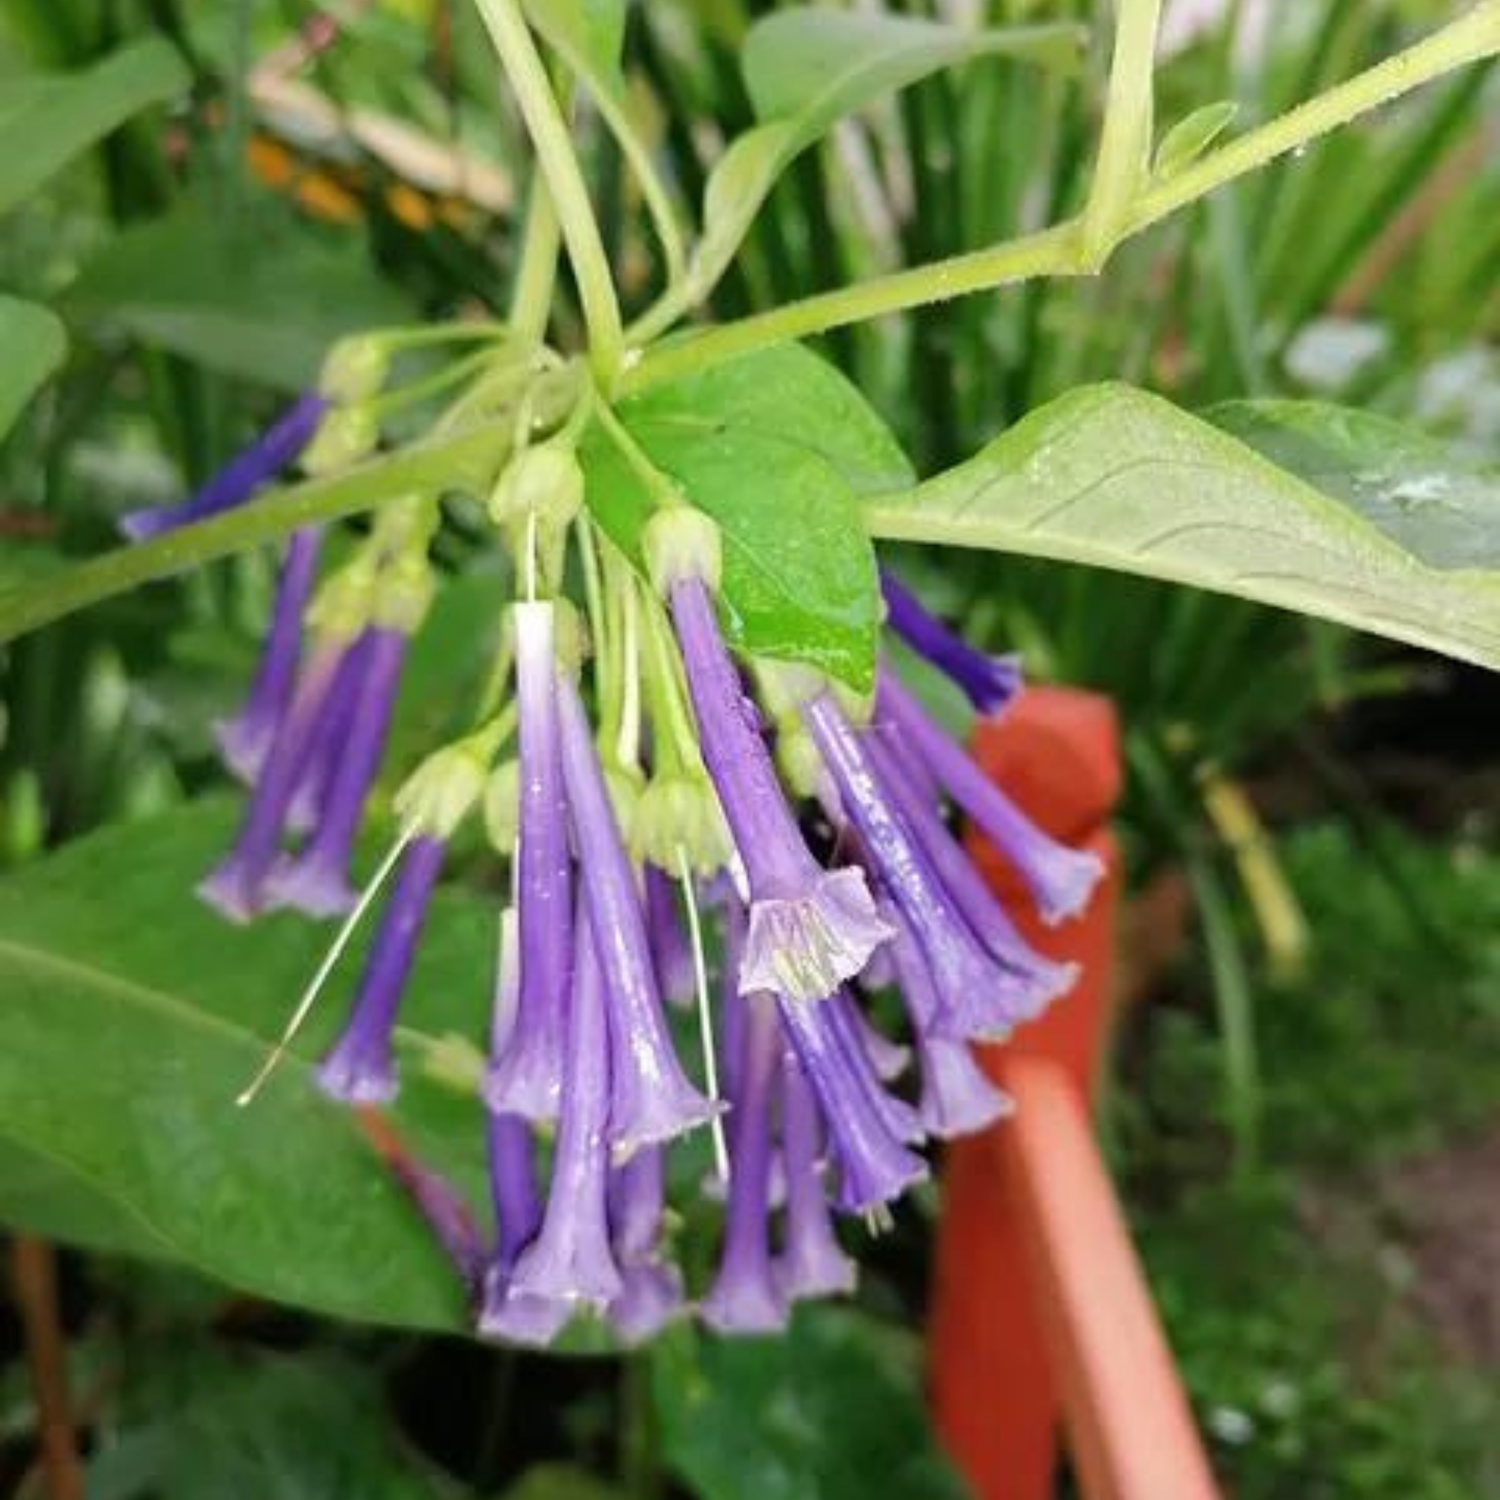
(464, 461)
(1059, 251)
(35, 1276)
(1125, 140)
(559, 164)
(536, 272)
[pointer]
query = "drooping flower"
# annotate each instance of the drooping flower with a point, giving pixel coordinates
(671, 947)
(989, 682)
(981, 997)
(360, 1067)
(1060, 879)
(651, 1097)
(326, 685)
(864, 1130)
(652, 1293)
(571, 1260)
(812, 1263)
(809, 929)
(245, 740)
(526, 1076)
(232, 485)
(745, 1297)
(316, 878)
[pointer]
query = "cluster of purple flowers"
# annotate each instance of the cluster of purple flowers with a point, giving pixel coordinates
(819, 903)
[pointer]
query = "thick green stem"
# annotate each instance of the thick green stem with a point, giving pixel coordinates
(536, 273)
(554, 148)
(1060, 251)
(1125, 141)
(465, 461)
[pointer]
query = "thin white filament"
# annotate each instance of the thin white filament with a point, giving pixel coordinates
(320, 978)
(705, 1021)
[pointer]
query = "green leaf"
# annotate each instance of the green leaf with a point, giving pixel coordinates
(1192, 135)
(814, 63)
(46, 121)
(1441, 504)
(1113, 477)
(211, 1426)
(777, 447)
(133, 1015)
(808, 66)
(261, 300)
(830, 1411)
(34, 344)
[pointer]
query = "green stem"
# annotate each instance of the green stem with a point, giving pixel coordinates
(1059, 251)
(554, 148)
(531, 301)
(664, 494)
(1125, 141)
(464, 461)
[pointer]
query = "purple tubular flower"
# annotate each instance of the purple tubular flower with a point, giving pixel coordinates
(671, 947)
(448, 1217)
(810, 929)
(525, 1078)
(874, 1166)
(957, 1097)
(744, 1297)
(1032, 980)
(980, 997)
(989, 682)
(316, 880)
(571, 1259)
(237, 885)
(811, 1263)
(271, 452)
(652, 1296)
(1060, 879)
(889, 1059)
(245, 740)
(360, 1068)
(651, 1097)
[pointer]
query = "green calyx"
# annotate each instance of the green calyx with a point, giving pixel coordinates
(502, 806)
(344, 437)
(444, 789)
(544, 482)
(355, 369)
(679, 542)
(679, 816)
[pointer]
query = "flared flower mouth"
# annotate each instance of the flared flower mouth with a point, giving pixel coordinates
(632, 816)
(806, 947)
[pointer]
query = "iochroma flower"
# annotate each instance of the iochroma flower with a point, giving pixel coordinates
(673, 822)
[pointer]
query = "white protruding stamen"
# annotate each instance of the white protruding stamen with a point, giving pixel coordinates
(629, 743)
(320, 978)
(705, 1021)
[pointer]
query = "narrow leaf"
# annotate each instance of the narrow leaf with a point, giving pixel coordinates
(33, 344)
(1116, 478)
(46, 122)
(1192, 135)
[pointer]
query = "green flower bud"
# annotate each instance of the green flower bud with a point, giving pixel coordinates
(626, 784)
(341, 608)
(681, 812)
(404, 594)
(354, 369)
(545, 481)
(680, 542)
(442, 791)
(345, 436)
(502, 806)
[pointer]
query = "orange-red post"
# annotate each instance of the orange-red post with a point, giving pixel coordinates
(1039, 1308)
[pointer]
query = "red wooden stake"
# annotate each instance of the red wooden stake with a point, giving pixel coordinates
(1039, 1307)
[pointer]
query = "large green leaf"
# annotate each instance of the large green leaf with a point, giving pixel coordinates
(1116, 478)
(777, 447)
(34, 344)
(830, 1411)
(132, 1015)
(1441, 504)
(46, 121)
(808, 66)
(204, 1425)
(263, 299)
